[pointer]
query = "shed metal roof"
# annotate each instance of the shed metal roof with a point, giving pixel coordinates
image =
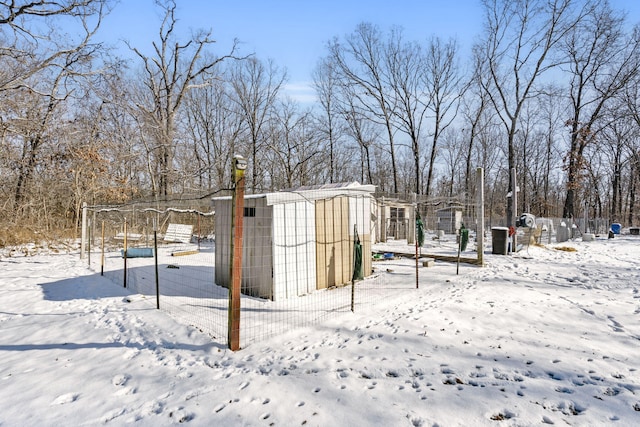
(309, 193)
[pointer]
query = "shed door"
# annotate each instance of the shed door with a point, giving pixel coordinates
(333, 243)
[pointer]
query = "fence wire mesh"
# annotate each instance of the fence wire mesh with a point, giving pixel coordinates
(300, 252)
(307, 255)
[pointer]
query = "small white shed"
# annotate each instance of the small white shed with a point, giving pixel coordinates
(396, 220)
(450, 218)
(296, 241)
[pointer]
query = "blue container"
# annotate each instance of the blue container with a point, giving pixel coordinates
(615, 227)
(388, 255)
(138, 253)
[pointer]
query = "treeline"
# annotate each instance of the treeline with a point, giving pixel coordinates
(551, 90)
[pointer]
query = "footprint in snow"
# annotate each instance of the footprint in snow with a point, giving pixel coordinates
(415, 421)
(120, 380)
(65, 398)
(130, 354)
(181, 416)
(547, 420)
(617, 326)
(243, 385)
(153, 407)
(124, 391)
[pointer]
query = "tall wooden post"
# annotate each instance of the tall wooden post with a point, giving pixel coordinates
(237, 214)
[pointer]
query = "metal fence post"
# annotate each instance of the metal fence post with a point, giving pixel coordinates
(155, 255)
(480, 217)
(124, 255)
(83, 237)
(102, 250)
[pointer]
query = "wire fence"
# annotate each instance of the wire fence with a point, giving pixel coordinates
(300, 256)
(169, 255)
(306, 254)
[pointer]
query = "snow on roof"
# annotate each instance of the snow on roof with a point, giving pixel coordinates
(312, 192)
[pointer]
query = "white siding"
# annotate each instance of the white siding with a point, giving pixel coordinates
(293, 249)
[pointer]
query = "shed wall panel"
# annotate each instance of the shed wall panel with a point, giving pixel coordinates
(344, 249)
(321, 245)
(333, 247)
(223, 241)
(294, 248)
(257, 254)
(360, 220)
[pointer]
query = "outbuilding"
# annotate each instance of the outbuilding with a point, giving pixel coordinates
(450, 218)
(396, 220)
(297, 241)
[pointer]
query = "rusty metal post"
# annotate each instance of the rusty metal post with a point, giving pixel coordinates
(414, 198)
(237, 214)
(124, 254)
(83, 235)
(480, 215)
(155, 259)
(102, 251)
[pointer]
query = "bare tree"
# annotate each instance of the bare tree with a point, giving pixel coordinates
(602, 61)
(293, 145)
(550, 105)
(613, 148)
(476, 115)
(361, 65)
(170, 73)
(41, 67)
(213, 126)
(519, 40)
(50, 95)
(631, 99)
(255, 91)
(406, 66)
(32, 40)
(443, 83)
(454, 146)
(326, 84)
(364, 133)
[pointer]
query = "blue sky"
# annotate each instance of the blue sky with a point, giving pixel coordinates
(294, 33)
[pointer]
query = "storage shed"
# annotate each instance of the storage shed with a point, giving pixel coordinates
(396, 220)
(296, 241)
(450, 218)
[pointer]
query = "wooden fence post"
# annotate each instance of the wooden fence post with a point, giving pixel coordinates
(237, 214)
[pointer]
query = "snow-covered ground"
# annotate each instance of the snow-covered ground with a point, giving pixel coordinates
(545, 336)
